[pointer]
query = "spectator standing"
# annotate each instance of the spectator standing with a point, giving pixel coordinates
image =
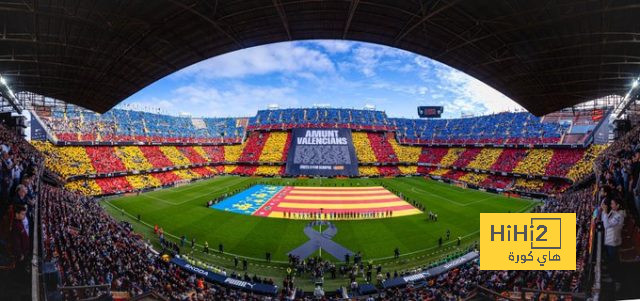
(612, 220)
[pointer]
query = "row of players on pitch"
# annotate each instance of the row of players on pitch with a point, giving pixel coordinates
(337, 215)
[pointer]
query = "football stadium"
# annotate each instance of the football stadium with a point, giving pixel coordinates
(226, 150)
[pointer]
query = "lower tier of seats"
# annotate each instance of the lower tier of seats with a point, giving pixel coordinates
(141, 182)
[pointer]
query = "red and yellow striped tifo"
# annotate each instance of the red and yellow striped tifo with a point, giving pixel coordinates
(335, 203)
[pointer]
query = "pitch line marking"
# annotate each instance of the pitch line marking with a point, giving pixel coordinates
(435, 195)
(276, 261)
(198, 184)
(528, 206)
(188, 200)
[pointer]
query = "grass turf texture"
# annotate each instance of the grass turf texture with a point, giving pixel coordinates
(182, 211)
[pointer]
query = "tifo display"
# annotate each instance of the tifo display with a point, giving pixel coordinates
(494, 152)
(339, 186)
(317, 203)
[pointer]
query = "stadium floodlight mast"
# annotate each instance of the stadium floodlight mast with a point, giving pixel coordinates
(628, 99)
(8, 94)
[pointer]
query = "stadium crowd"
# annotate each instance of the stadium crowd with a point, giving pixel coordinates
(72, 124)
(21, 167)
(120, 258)
(265, 152)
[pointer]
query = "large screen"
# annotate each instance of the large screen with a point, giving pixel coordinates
(322, 152)
(430, 111)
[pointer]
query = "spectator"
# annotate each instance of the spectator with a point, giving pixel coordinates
(612, 220)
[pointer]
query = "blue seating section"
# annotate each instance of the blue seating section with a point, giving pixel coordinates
(497, 128)
(126, 125)
(320, 117)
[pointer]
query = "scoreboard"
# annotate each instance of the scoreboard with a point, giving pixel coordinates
(430, 111)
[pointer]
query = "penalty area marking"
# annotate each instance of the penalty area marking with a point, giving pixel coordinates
(452, 201)
(133, 218)
(226, 188)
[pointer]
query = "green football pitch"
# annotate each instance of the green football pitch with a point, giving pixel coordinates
(183, 211)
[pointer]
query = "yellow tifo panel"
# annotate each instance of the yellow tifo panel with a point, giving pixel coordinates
(268, 170)
(408, 170)
(229, 168)
(535, 163)
(451, 156)
(440, 171)
(185, 174)
(364, 152)
(85, 186)
(132, 158)
(65, 161)
(473, 178)
(368, 171)
(532, 184)
(405, 153)
(485, 158)
(232, 152)
(214, 170)
(175, 156)
(273, 148)
(201, 152)
(585, 165)
(143, 181)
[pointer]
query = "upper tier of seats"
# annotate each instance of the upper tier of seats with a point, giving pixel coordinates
(118, 125)
(321, 118)
(502, 128)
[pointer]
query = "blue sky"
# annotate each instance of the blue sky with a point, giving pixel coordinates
(304, 73)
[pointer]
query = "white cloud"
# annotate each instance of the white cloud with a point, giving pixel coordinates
(240, 100)
(260, 60)
(468, 95)
(334, 46)
(343, 73)
(369, 57)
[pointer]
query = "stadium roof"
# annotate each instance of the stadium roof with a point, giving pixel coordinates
(545, 55)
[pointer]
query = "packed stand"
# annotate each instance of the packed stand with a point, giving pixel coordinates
(275, 147)
(617, 173)
(502, 128)
(73, 124)
(21, 167)
(91, 248)
(282, 119)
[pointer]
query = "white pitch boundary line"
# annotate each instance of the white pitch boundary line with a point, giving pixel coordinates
(428, 249)
(417, 190)
(530, 205)
(147, 195)
(187, 187)
(226, 188)
(178, 238)
(285, 262)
